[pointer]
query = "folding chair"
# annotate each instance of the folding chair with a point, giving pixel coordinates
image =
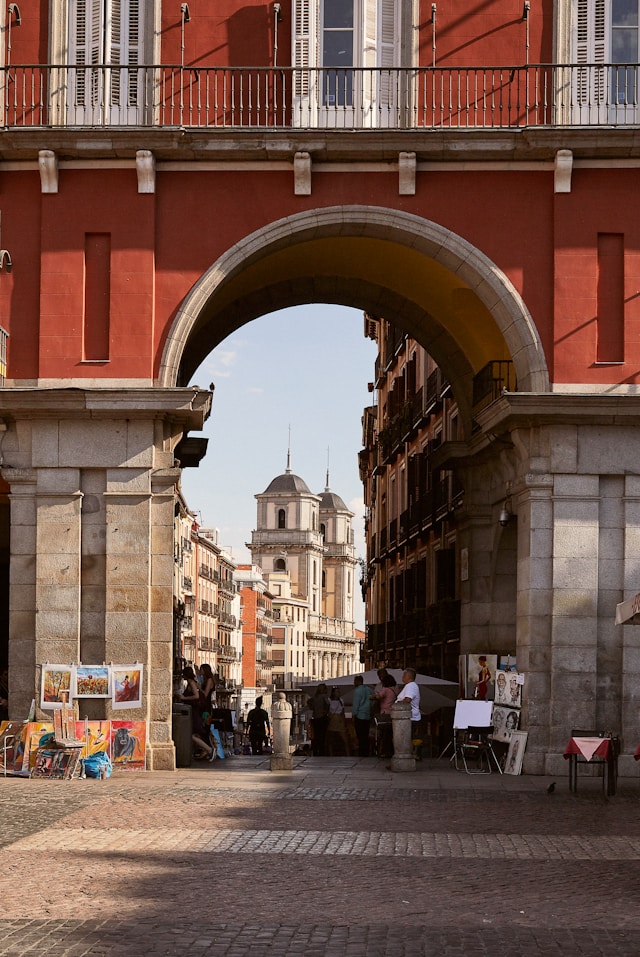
(476, 746)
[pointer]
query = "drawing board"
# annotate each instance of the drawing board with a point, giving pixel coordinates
(475, 714)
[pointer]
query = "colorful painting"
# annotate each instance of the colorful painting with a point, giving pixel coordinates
(91, 681)
(127, 686)
(95, 734)
(59, 763)
(515, 754)
(505, 721)
(34, 735)
(481, 673)
(55, 685)
(129, 745)
(10, 732)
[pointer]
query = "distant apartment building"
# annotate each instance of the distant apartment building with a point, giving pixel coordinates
(413, 497)
(206, 603)
(257, 641)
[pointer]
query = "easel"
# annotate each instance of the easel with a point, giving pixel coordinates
(468, 713)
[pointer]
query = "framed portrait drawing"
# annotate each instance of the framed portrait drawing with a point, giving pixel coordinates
(505, 721)
(515, 754)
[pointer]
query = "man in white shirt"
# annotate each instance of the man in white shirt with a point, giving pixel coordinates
(411, 693)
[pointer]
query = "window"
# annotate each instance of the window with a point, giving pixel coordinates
(346, 54)
(105, 42)
(282, 518)
(605, 49)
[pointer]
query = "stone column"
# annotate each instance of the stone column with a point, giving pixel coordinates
(403, 759)
(281, 712)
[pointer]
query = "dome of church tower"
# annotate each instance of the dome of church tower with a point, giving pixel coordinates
(288, 484)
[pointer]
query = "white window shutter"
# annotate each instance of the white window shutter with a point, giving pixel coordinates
(591, 48)
(305, 19)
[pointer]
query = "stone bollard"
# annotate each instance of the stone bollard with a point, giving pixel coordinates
(403, 759)
(281, 712)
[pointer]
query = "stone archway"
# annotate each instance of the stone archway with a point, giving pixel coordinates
(431, 249)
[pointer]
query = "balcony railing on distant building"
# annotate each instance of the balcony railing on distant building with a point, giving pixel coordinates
(498, 97)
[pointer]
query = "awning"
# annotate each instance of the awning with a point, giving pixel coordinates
(628, 612)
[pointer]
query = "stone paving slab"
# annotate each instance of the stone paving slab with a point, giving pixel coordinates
(339, 859)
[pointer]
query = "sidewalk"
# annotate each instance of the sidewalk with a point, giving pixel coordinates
(338, 858)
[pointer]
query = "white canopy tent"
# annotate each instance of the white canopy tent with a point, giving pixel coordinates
(435, 693)
(628, 612)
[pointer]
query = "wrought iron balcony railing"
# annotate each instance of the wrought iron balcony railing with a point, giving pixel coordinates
(499, 97)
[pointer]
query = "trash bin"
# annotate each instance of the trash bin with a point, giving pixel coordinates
(181, 734)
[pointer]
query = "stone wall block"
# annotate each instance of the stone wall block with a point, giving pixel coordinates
(45, 444)
(572, 603)
(161, 627)
(128, 598)
(161, 600)
(22, 569)
(58, 597)
(90, 443)
(93, 570)
(576, 488)
(162, 540)
(128, 481)
(571, 660)
(59, 568)
(22, 597)
(140, 445)
(161, 659)
(55, 648)
(575, 573)
(124, 539)
(574, 542)
(128, 628)
(124, 570)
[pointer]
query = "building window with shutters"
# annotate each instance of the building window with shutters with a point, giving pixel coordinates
(604, 49)
(347, 59)
(107, 44)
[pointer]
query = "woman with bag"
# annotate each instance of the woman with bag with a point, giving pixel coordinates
(337, 728)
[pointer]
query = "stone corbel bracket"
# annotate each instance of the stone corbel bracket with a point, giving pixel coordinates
(146, 170)
(48, 166)
(563, 167)
(407, 174)
(302, 174)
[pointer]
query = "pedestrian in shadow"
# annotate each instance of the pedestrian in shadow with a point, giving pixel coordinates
(319, 705)
(337, 738)
(361, 713)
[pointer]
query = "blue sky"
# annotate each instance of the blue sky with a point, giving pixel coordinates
(304, 369)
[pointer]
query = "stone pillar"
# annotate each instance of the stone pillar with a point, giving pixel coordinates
(281, 712)
(92, 490)
(403, 759)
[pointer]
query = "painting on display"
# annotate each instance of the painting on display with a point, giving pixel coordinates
(505, 721)
(481, 676)
(515, 754)
(59, 763)
(96, 736)
(508, 690)
(10, 733)
(91, 681)
(35, 734)
(128, 745)
(127, 686)
(55, 686)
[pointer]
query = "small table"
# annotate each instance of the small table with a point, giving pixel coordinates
(587, 748)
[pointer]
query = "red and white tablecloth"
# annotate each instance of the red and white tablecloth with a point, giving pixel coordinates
(637, 754)
(590, 748)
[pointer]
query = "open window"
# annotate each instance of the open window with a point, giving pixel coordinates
(604, 35)
(102, 49)
(347, 56)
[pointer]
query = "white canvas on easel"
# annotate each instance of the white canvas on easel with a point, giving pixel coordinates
(474, 714)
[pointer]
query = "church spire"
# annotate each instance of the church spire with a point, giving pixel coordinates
(327, 488)
(288, 469)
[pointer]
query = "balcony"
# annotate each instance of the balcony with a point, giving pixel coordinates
(498, 97)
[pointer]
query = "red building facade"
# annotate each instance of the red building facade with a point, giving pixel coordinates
(176, 171)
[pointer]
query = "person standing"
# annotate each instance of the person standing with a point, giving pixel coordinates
(361, 713)
(319, 704)
(411, 693)
(259, 727)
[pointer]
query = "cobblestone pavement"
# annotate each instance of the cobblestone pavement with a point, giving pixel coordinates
(339, 858)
